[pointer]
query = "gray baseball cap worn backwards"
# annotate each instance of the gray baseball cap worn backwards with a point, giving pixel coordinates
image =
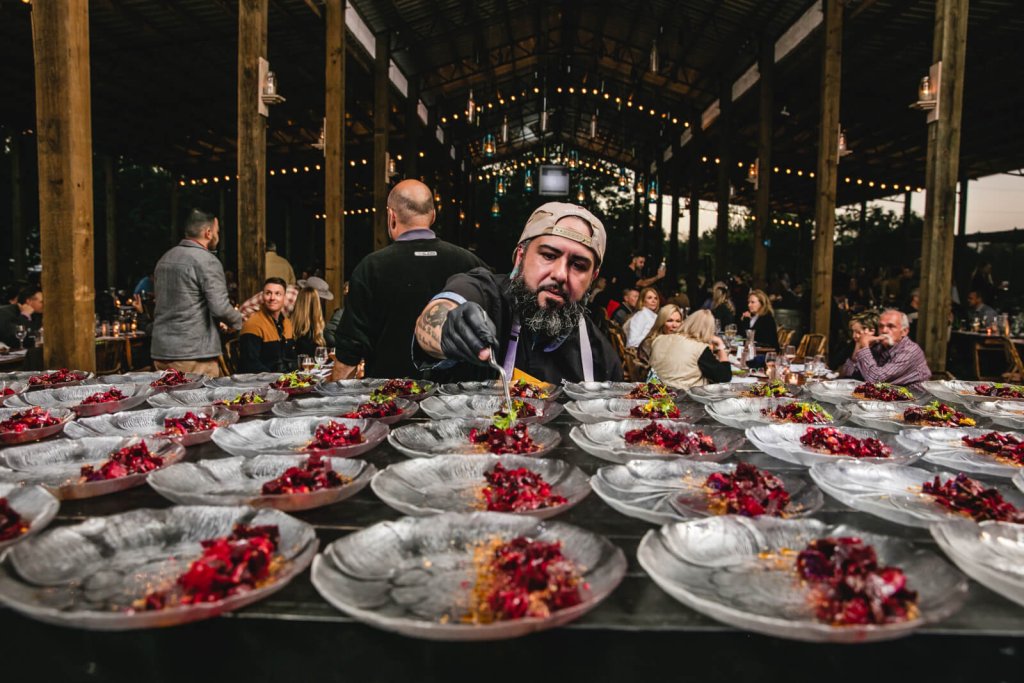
(543, 222)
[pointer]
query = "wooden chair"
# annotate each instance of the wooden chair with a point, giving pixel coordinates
(812, 344)
(110, 357)
(785, 336)
(1001, 355)
(229, 359)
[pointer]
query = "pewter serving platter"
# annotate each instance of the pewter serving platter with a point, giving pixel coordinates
(594, 410)
(91, 574)
(339, 406)
(364, 387)
(454, 483)
(888, 417)
(946, 449)
(291, 435)
(669, 491)
(451, 437)
(962, 391)
(35, 504)
(239, 481)
(446, 407)
(741, 413)
(991, 553)
(837, 391)
(492, 387)
(782, 441)
(606, 440)
(198, 398)
(892, 492)
(716, 392)
(65, 415)
(262, 379)
(1003, 413)
(581, 391)
(195, 380)
(149, 423)
(72, 397)
(740, 571)
(415, 576)
(57, 464)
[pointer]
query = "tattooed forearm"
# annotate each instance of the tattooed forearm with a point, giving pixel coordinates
(429, 324)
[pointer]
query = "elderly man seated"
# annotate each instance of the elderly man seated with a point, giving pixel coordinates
(891, 355)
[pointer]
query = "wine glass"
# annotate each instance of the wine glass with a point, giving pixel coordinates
(789, 352)
(20, 332)
(770, 361)
(306, 362)
(730, 330)
(320, 356)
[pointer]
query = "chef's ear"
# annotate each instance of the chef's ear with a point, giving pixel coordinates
(517, 260)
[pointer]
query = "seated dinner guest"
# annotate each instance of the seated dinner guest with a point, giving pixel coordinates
(307, 322)
(759, 317)
(861, 324)
(640, 323)
(694, 356)
(535, 318)
(670, 319)
(26, 310)
(890, 356)
(267, 340)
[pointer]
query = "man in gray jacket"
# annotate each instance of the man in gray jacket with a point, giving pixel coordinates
(191, 296)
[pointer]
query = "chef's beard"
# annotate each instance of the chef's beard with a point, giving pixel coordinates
(553, 320)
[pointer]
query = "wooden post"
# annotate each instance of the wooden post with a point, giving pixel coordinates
(60, 41)
(763, 207)
(17, 209)
(334, 155)
(942, 171)
(724, 168)
(673, 243)
(381, 121)
(828, 162)
(110, 207)
(252, 149)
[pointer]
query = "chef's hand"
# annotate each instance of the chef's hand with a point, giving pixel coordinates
(468, 334)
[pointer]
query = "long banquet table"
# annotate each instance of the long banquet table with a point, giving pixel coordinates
(638, 631)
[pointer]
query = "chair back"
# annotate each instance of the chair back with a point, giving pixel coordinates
(995, 355)
(785, 336)
(110, 356)
(812, 344)
(230, 356)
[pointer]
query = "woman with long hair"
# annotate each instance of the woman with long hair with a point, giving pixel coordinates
(308, 322)
(860, 324)
(759, 317)
(670, 319)
(640, 323)
(693, 357)
(722, 307)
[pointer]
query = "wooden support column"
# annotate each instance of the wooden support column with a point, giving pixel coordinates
(110, 214)
(942, 171)
(673, 243)
(763, 207)
(334, 155)
(60, 41)
(381, 126)
(17, 209)
(724, 168)
(828, 163)
(252, 149)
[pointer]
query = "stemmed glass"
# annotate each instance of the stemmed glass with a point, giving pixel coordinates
(20, 332)
(730, 331)
(320, 356)
(770, 360)
(790, 353)
(306, 362)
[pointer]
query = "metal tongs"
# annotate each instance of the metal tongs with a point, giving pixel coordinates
(504, 383)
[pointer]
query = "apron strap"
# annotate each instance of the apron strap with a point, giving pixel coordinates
(510, 351)
(586, 352)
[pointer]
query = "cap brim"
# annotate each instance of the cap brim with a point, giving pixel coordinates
(326, 296)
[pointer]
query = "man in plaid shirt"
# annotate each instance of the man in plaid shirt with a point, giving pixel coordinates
(891, 355)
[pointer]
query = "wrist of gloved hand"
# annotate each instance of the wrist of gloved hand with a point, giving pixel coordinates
(467, 330)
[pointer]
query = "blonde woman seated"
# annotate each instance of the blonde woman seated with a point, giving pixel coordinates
(308, 322)
(693, 357)
(640, 323)
(670, 319)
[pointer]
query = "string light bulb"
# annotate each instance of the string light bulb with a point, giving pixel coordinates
(470, 107)
(489, 145)
(499, 187)
(504, 130)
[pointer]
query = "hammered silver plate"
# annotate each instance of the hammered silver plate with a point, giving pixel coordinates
(607, 440)
(239, 481)
(582, 391)
(741, 413)
(339, 406)
(149, 423)
(365, 387)
(414, 576)
(57, 464)
(446, 407)
(716, 392)
(10, 438)
(14, 388)
(782, 441)
(740, 571)
(991, 553)
(89, 575)
(35, 504)
(662, 491)
(492, 387)
(198, 398)
(946, 449)
(1003, 413)
(195, 380)
(594, 410)
(892, 492)
(888, 417)
(72, 397)
(962, 391)
(837, 391)
(26, 375)
(453, 483)
(291, 435)
(451, 437)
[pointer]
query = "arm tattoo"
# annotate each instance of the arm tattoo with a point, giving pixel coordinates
(429, 324)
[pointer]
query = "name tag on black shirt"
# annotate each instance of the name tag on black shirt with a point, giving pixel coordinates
(425, 253)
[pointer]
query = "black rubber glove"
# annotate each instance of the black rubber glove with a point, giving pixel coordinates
(466, 331)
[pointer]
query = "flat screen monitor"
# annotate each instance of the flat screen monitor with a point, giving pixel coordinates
(553, 181)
